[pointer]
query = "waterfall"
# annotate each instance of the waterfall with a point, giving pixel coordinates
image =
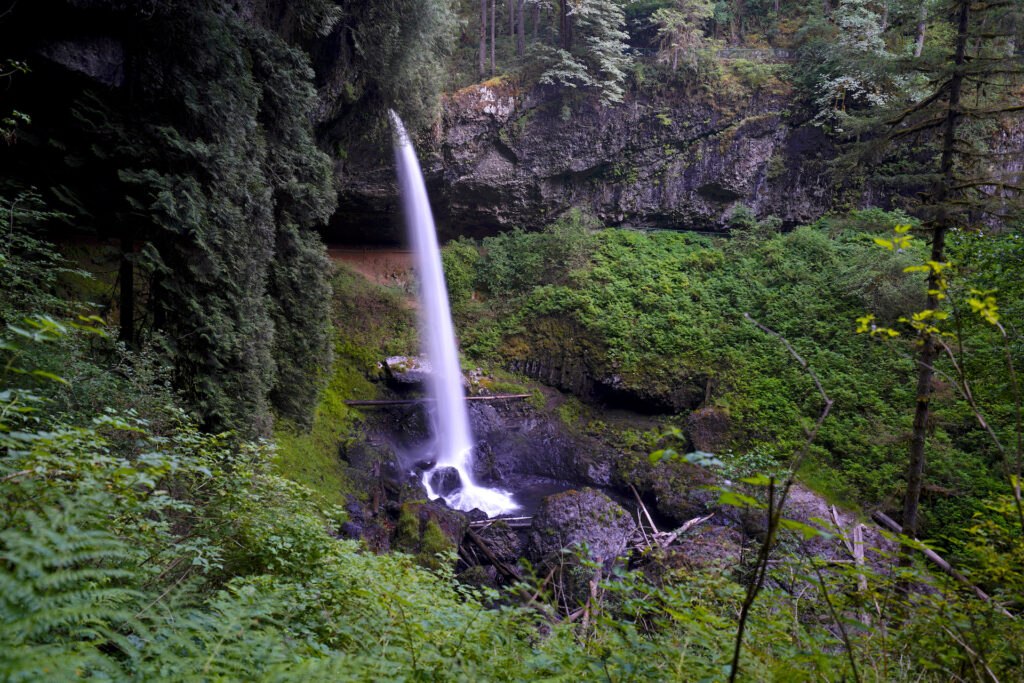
(453, 441)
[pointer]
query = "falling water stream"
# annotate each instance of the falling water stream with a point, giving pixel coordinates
(453, 442)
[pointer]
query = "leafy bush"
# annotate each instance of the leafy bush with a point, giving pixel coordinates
(658, 310)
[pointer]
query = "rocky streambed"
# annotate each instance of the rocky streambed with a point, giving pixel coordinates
(577, 492)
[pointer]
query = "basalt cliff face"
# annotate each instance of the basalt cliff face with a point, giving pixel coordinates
(499, 157)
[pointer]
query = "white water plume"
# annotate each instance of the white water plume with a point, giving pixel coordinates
(453, 441)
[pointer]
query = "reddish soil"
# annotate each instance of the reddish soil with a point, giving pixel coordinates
(389, 267)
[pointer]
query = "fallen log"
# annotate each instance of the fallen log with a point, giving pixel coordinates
(514, 522)
(669, 538)
(491, 557)
(946, 567)
(409, 401)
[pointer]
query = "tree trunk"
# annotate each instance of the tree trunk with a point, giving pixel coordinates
(981, 34)
(493, 18)
(126, 278)
(737, 16)
(921, 26)
(483, 37)
(511, 18)
(940, 225)
(828, 8)
(885, 17)
(521, 29)
(564, 26)
(776, 7)
(536, 20)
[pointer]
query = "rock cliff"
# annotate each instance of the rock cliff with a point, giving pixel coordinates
(500, 157)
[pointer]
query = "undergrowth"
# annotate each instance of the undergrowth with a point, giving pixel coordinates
(662, 313)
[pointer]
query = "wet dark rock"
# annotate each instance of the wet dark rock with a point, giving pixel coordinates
(505, 157)
(100, 57)
(408, 425)
(476, 515)
(445, 481)
(574, 517)
(679, 491)
(514, 439)
(505, 542)
(369, 455)
(362, 524)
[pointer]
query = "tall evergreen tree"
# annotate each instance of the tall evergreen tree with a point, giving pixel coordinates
(593, 49)
(967, 92)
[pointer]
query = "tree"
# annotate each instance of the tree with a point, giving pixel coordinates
(599, 60)
(483, 38)
(521, 30)
(922, 24)
(966, 95)
(680, 29)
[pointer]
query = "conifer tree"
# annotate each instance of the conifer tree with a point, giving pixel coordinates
(593, 49)
(966, 92)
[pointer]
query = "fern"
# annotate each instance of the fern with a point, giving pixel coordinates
(62, 600)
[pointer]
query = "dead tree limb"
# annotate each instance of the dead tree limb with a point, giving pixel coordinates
(942, 564)
(492, 558)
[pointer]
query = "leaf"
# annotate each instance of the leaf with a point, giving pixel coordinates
(662, 454)
(805, 530)
(758, 480)
(738, 500)
(703, 459)
(883, 243)
(50, 375)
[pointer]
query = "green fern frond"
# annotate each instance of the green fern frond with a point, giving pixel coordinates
(62, 596)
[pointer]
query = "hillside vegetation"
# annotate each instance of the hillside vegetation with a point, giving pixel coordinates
(186, 493)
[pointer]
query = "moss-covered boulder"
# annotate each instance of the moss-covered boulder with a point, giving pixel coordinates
(425, 528)
(708, 429)
(575, 517)
(680, 491)
(506, 544)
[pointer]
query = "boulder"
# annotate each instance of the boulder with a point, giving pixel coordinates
(679, 491)
(407, 369)
(445, 481)
(507, 545)
(573, 517)
(425, 528)
(708, 429)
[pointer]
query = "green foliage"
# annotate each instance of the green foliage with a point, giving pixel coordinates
(371, 323)
(663, 311)
(597, 56)
(519, 260)
(31, 268)
(239, 278)
(679, 30)
(392, 58)
(459, 259)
